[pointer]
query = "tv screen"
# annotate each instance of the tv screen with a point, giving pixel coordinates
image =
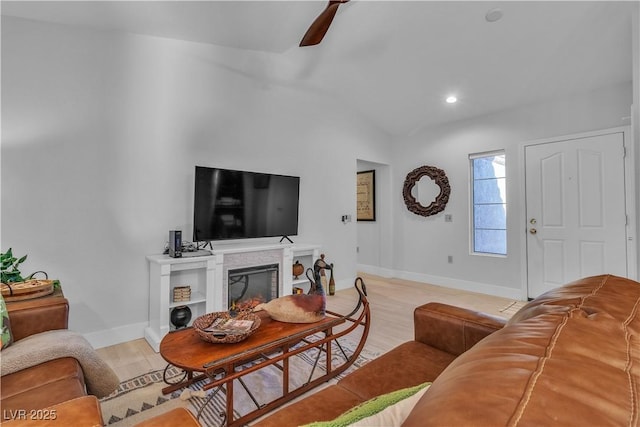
(231, 204)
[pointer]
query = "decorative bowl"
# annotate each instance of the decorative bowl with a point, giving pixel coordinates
(222, 328)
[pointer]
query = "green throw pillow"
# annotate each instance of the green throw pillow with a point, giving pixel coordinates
(387, 409)
(5, 327)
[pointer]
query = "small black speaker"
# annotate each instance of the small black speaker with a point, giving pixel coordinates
(175, 244)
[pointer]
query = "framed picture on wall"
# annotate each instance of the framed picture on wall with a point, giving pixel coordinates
(366, 208)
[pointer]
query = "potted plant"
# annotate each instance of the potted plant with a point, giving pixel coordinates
(17, 287)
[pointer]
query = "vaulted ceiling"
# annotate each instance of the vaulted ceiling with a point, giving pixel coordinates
(393, 61)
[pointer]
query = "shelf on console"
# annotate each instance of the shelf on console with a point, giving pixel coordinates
(196, 298)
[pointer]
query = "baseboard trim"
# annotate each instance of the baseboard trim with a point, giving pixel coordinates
(116, 335)
(376, 270)
(463, 285)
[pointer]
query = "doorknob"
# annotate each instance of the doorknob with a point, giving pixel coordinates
(533, 231)
(532, 221)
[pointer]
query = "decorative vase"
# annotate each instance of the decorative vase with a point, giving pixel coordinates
(298, 269)
(332, 283)
(180, 316)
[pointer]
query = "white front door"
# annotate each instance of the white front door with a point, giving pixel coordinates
(576, 215)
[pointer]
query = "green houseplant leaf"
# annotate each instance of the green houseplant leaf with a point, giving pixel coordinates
(10, 272)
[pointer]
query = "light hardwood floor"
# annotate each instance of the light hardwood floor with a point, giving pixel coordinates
(392, 302)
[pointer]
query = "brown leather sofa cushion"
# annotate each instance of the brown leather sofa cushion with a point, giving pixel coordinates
(43, 385)
(568, 358)
(82, 411)
(407, 365)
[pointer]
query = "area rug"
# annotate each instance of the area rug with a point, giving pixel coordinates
(141, 397)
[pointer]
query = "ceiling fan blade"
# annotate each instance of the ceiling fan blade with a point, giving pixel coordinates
(318, 29)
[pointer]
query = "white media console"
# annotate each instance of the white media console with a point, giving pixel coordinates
(207, 277)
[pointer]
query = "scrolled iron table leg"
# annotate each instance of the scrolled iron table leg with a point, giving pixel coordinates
(173, 382)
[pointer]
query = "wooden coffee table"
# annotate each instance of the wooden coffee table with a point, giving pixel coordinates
(273, 343)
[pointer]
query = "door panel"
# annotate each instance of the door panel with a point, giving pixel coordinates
(553, 260)
(553, 194)
(591, 178)
(575, 196)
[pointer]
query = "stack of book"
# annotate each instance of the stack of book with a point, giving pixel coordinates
(182, 293)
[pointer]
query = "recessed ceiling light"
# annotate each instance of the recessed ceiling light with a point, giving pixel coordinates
(451, 99)
(493, 15)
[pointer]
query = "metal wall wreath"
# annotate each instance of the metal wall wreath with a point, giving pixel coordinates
(441, 180)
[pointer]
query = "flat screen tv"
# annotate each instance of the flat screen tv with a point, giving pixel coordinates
(232, 204)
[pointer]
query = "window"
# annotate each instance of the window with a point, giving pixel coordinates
(489, 201)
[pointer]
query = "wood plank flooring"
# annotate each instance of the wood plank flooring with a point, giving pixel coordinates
(392, 302)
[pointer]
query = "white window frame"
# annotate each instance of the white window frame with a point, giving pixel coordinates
(472, 227)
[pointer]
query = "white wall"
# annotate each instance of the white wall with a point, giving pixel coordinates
(422, 245)
(100, 136)
(375, 238)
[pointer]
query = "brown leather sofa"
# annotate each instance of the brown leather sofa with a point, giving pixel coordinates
(570, 357)
(49, 383)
